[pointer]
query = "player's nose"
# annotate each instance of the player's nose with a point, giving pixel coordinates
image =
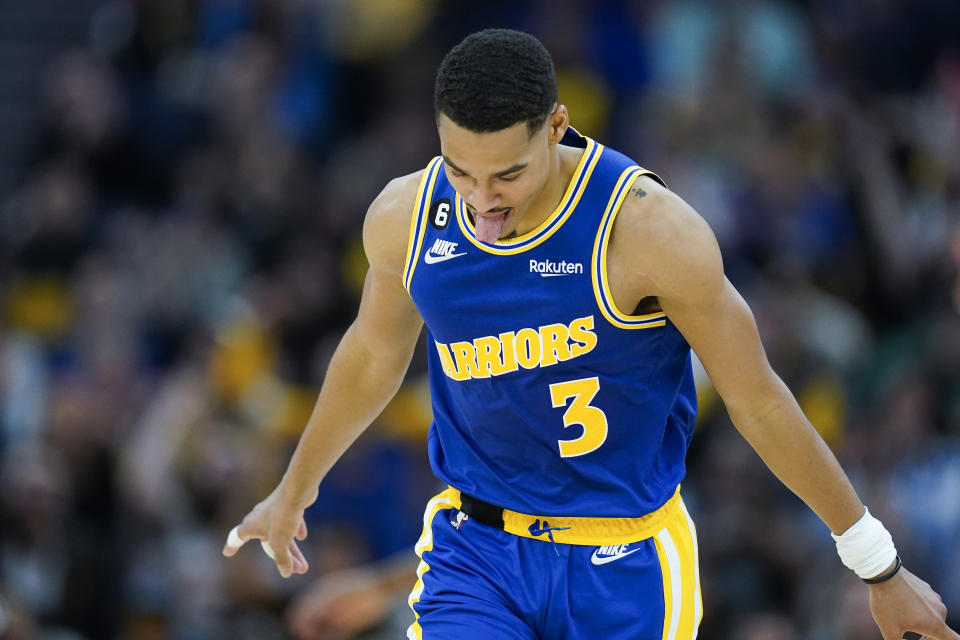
(483, 199)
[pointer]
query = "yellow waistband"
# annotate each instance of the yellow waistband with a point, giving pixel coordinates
(585, 531)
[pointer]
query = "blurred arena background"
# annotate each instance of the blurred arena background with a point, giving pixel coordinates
(182, 185)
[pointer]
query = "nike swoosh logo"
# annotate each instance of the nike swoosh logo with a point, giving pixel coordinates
(598, 560)
(429, 258)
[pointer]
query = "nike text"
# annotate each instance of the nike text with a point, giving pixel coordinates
(440, 251)
(603, 555)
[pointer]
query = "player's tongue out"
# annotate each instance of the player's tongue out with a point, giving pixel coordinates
(490, 227)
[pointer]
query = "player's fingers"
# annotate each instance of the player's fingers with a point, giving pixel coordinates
(300, 563)
(302, 531)
(296, 561)
(235, 540)
(281, 556)
(267, 549)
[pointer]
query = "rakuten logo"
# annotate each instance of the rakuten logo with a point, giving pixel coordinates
(550, 269)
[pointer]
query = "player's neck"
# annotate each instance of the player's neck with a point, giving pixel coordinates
(563, 165)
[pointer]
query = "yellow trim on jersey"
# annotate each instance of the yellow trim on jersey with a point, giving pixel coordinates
(601, 288)
(676, 547)
(443, 500)
(592, 532)
(418, 221)
(535, 237)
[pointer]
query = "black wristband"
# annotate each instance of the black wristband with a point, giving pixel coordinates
(885, 576)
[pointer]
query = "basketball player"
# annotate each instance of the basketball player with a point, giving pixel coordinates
(562, 287)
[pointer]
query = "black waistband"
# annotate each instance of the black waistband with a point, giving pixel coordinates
(489, 514)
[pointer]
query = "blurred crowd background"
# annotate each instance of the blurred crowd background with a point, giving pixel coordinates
(182, 186)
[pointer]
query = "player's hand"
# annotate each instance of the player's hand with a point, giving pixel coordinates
(278, 524)
(905, 603)
(339, 605)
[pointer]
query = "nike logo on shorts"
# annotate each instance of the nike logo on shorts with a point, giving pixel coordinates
(603, 555)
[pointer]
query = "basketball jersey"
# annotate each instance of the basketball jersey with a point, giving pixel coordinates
(547, 398)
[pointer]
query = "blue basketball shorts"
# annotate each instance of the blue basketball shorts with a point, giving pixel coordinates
(479, 582)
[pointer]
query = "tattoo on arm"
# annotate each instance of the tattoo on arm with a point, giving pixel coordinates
(637, 191)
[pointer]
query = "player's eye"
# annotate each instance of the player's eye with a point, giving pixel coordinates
(510, 178)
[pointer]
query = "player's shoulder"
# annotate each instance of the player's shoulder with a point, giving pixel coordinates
(387, 223)
(656, 219)
(653, 214)
(667, 239)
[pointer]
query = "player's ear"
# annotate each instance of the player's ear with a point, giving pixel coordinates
(557, 123)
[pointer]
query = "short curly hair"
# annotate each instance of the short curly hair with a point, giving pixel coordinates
(494, 79)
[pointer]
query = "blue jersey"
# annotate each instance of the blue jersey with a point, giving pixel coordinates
(547, 398)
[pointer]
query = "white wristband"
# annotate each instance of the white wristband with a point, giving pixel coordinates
(867, 547)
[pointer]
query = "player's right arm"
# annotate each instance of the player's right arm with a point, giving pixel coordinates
(365, 372)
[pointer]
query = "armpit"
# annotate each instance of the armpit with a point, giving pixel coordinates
(649, 304)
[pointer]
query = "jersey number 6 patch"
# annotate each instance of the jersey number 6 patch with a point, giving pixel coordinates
(580, 412)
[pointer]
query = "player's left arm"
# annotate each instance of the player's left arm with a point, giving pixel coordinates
(662, 247)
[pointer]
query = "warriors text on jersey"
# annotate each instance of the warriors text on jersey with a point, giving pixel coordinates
(547, 398)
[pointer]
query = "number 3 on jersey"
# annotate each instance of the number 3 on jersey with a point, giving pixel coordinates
(592, 419)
